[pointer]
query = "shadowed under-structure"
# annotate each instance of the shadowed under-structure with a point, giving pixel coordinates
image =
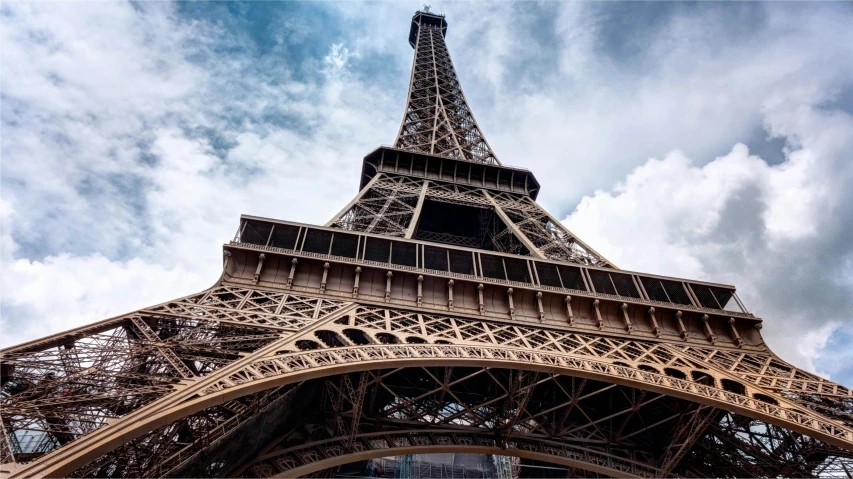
(442, 311)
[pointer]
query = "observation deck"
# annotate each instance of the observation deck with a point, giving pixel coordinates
(425, 18)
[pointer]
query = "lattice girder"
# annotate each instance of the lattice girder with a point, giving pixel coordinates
(512, 336)
(371, 338)
(309, 448)
(438, 120)
(391, 204)
(63, 387)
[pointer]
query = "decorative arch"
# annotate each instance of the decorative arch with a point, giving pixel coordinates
(675, 373)
(357, 336)
(250, 376)
(307, 345)
(426, 441)
(388, 338)
(329, 338)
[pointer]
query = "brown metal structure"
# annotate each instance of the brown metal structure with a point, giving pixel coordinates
(438, 120)
(442, 310)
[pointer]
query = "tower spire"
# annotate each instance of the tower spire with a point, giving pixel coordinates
(438, 120)
(441, 310)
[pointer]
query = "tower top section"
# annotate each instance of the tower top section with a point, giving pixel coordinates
(438, 120)
(425, 17)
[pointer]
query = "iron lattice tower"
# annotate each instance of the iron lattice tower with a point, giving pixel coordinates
(442, 310)
(438, 120)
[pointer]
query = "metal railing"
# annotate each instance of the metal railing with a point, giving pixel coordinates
(468, 263)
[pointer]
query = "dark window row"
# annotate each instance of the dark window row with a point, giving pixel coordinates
(560, 276)
(263, 233)
(666, 291)
(479, 174)
(715, 298)
(498, 267)
(349, 245)
(614, 283)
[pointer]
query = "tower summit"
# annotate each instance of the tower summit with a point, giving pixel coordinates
(442, 183)
(441, 310)
(438, 120)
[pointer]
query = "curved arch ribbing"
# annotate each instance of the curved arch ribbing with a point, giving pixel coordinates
(295, 367)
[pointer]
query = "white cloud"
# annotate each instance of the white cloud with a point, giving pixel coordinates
(694, 83)
(738, 220)
(697, 83)
(115, 116)
(65, 291)
(113, 199)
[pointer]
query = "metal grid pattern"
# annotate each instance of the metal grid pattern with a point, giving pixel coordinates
(473, 409)
(461, 262)
(396, 335)
(284, 236)
(615, 284)
(182, 388)
(63, 387)
(385, 207)
(438, 119)
(179, 448)
(607, 282)
(547, 235)
(435, 258)
(391, 205)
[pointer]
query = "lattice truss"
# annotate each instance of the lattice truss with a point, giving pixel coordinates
(386, 207)
(63, 387)
(615, 426)
(550, 237)
(382, 326)
(246, 381)
(468, 408)
(438, 120)
(190, 442)
(390, 205)
(759, 368)
(489, 410)
(636, 433)
(737, 446)
(494, 233)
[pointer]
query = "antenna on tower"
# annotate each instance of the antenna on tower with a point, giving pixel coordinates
(426, 8)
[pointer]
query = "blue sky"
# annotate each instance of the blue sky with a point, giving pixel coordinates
(703, 140)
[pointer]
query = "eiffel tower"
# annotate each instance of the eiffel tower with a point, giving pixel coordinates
(441, 311)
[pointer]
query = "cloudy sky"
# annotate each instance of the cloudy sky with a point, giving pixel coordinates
(710, 141)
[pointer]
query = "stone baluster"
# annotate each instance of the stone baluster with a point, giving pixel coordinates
(628, 326)
(681, 328)
(357, 279)
(292, 274)
(388, 277)
(227, 255)
(325, 277)
(735, 334)
(541, 309)
(257, 276)
(598, 314)
(710, 334)
(569, 312)
(654, 320)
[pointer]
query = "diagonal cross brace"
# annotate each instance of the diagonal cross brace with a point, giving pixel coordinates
(166, 352)
(687, 432)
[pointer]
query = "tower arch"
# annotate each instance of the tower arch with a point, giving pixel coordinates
(442, 309)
